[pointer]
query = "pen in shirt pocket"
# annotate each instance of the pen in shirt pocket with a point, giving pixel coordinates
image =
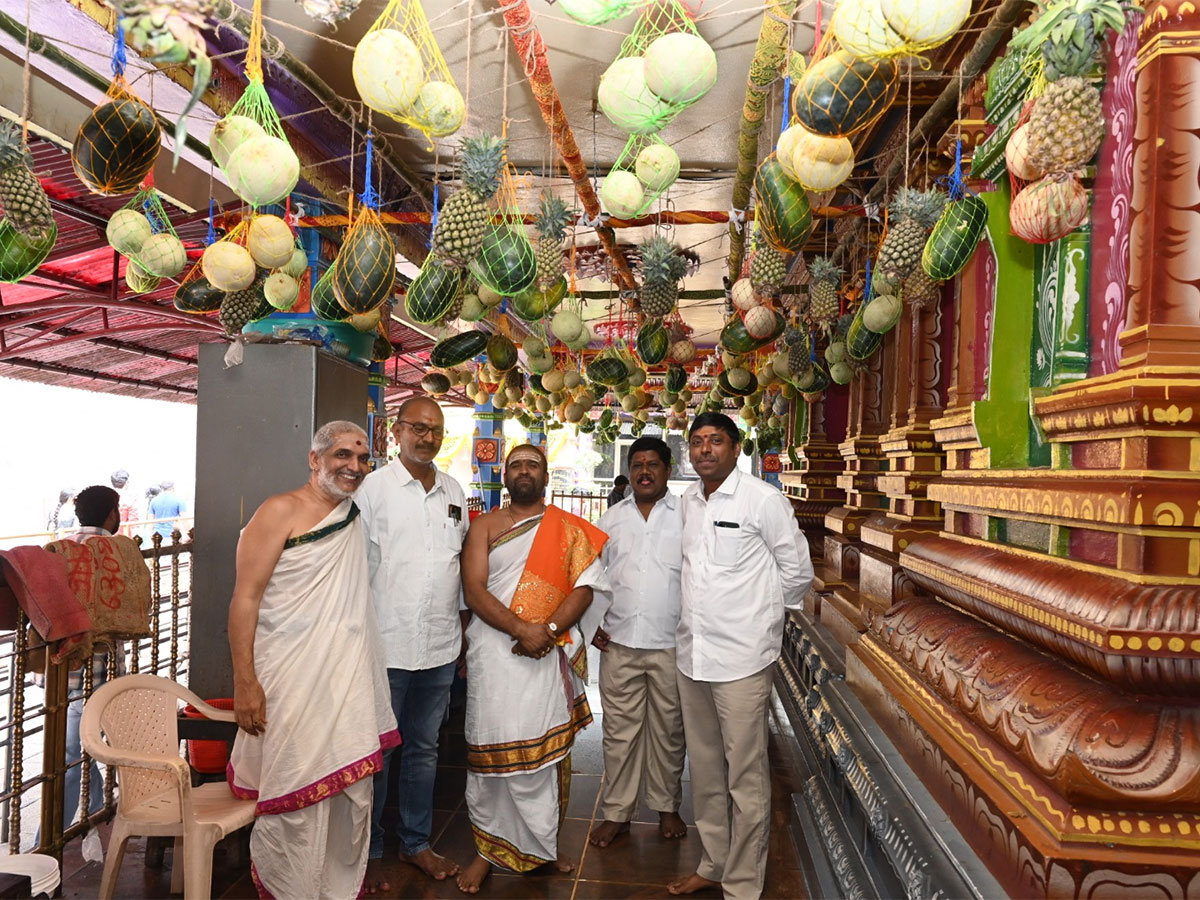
(727, 524)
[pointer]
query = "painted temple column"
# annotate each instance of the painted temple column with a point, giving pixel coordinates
(487, 453)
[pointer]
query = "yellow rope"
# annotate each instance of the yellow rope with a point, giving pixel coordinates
(254, 70)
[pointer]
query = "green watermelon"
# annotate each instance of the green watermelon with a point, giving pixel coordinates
(607, 370)
(535, 384)
(861, 342)
(814, 380)
(366, 268)
(19, 256)
(116, 146)
(506, 262)
(457, 349)
(501, 353)
(198, 297)
(653, 343)
(533, 303)
(324, 304)
(843, 94)
(954, 238)
(782, 212)
(736, 339)
(435, 383)
(606, 418)
(676, 379)
(433, 291)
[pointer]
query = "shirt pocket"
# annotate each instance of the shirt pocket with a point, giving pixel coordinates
(727, 545)
(452, 538)
(670, 551)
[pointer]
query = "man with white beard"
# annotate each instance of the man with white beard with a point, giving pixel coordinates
(310, 690)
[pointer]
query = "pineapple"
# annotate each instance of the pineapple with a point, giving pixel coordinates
(823, 305)
(463, 221)
(240, 307)
(25, 203)
(768, 269)
(799, 359)
(551, 225)
(911, 213)
(920, 290)
(662, 268)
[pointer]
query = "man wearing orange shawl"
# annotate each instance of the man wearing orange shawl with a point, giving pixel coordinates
(528, 573)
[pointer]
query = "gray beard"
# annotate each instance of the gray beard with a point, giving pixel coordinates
(328, 483)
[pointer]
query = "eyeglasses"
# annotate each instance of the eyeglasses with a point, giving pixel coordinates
(421, 430)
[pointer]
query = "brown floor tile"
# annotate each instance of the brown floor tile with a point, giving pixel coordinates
(584, 789)
(783, 884)
(449, 788)
(609, 890)
(641, 856)
(646, 814)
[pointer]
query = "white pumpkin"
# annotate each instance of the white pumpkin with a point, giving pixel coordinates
(841, 373)
(760, 322)
(472, 308)
(566, 325)
(629, 402)
(263, 170)
(743, 294)
(572, 380)
(127, 230)
(163, 255)
(227, 266)
(860, 27)
(882, 313)
(627, 101)
(680, 67)
(439, 108)
(281, 291)
(490, 298)
(730, 360)
(1016, 155)
(928, 22)
(779, 365)
(738, 378)
(835, 352)
(541, 364)
(683, 352)
(622, 194)
(821, 163)
(229, 134)
(679, 407)
(748, 415)
(388, 72)
(785, 147)
(270, 242)
(594, 12)
(297, 265)
(139, 280)
(585, 338)
(533, 346)
(657, 167)
(575, 412)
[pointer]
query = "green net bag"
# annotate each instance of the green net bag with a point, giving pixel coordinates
(843, 94)
(597, 12)
(399, 71)
(366, 263)
(878, 29)
(506, 262)
(663, 67)
(781, 209)
(249, 144)
(21, 255)
(644, 171)
(154, 246)
(117, 144)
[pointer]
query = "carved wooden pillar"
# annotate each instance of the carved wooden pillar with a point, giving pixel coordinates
(814, 464)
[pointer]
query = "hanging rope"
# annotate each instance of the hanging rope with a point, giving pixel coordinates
(254, 70)
(369, 197)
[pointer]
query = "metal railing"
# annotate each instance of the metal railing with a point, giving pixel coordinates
(585, 505)
(33, 718)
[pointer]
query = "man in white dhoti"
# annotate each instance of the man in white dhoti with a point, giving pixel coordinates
(528, 575)
(310, 689)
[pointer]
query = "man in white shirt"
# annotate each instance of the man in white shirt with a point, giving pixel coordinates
(744, 563)
(643, 726)
(416, 521)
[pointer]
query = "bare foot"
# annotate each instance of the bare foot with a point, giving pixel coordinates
(375, 882)
(607, 832)
(470, 878)
(690, 884)
(671, 826)
(432, 864)
(564, 864)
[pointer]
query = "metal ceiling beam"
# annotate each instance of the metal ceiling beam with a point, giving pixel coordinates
(67, 302)
(122, 329)
(74, 372)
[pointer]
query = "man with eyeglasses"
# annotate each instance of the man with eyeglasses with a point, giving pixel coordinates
(416, 521)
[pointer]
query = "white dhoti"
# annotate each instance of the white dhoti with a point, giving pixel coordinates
(329, 716)
(522, 717)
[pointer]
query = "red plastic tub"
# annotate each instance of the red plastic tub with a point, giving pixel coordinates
(208, 757)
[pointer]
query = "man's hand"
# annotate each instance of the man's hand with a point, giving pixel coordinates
(250, 708)
(532, 640)
(600, 640)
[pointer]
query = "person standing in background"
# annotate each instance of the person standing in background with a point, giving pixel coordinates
(167, 505)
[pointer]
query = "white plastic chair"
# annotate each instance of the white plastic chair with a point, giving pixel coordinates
(138, 716)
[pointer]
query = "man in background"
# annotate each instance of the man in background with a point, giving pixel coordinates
(129, 503)
(167, 505)
(620, 489)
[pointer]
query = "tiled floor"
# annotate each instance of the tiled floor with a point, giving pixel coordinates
(638, 865)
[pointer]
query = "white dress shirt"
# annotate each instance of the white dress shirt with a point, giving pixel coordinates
(744, 562)
(414, 540)
(643, 558)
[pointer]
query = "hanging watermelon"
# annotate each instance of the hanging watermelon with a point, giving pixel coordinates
(117, 144)
(435, 383)
(433, 291)
(953, 239)
(19, 255)
(366, 264)
(676, 379)
(736, 339)
(323, 301)
(501, 353)
(861, 341)
(814, 380)
(457, 349)
(783, 213)
(607, 370)
(843, 94)
(653, 343)
(534, 303)
(198, 296)
(506, 262)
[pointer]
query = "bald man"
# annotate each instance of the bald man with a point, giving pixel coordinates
(416, 521)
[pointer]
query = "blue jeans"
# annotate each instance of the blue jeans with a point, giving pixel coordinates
(419, 700)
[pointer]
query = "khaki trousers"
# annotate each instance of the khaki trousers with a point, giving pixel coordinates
(726, 728)
(643, 731)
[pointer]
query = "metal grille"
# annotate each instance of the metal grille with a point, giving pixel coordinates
(33, 718)
(586, 506)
